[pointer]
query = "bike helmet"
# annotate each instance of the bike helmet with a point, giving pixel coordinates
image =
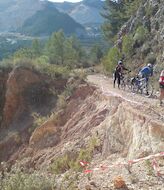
(120, 63)
(150, 65)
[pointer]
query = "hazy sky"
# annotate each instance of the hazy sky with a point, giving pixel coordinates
(65, 0)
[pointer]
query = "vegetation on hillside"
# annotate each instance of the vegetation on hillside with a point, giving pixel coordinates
(18, 179)
(58, 55)
(58, 51)
(116, 13)
(134, 39)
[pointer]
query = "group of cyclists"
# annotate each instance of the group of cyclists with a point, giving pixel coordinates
(145, 73)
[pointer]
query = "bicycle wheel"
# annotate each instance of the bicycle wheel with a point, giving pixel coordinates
(123, 85)
(147, 91)
(134, 88)
(129, 84)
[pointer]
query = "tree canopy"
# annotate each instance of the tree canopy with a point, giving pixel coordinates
(116, 13)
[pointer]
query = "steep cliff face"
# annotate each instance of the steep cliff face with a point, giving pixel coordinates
(132, 133)
(24, 92)
(3, 79)
(147, 42)
(27, 91)
(19, 79)
(126, 127)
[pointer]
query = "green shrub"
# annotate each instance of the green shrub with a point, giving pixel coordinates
(141, 35)
(70, 181)
(76, 79)
(149, 10)
(40, 64)
(81, 74)
(149, 167)
(146, 48)
(157, 25)
(127, 45)
(6, 64)
(61, 164)
(38, 121)
(62, 102)
(19, 180)
(110, 60)
(54, 71)
(71, 160)
(151, 58)
(43, 59)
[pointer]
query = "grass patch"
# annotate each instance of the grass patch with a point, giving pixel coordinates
(71, 160)
(19, 180)
(38, 121)
(149, 167)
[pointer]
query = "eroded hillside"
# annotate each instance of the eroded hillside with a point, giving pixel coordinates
(96, 124)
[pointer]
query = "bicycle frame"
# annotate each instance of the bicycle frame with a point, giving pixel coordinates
(142, 85)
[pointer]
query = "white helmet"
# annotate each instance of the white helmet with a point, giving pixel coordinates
(150, 65)
(120, 63)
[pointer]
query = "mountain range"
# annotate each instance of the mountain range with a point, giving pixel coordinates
(41, 17)
(84, 12)
(44, 22)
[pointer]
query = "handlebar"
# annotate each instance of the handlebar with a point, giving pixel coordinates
(127, 72)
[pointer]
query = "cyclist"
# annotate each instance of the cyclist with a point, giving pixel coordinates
(161, 85)
(146, 72)
(118, 73)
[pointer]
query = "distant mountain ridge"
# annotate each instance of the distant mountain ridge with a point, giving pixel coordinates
(44, 22)
(84, 12)
(35, 17)
(13, 13)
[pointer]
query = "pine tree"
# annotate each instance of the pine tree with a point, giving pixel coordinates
(116, 13)
(55, 48)
(73, 51)
(114, 16)
(96, 53)
(36, 48)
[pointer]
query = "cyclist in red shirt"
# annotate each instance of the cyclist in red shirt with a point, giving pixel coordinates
(161, 85)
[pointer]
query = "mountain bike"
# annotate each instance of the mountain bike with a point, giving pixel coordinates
(140, 85)
(125, 82)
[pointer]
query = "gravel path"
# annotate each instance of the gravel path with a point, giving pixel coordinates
(150, 106)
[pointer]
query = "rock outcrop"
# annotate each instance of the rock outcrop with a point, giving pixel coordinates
(47, 135)
(3, 79)
(150, 16)
(24, 92)
(19, 80)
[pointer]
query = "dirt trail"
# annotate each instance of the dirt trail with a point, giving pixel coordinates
(149, 106)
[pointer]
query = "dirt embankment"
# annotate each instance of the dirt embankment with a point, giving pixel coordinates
(128, 126)
(24, 92)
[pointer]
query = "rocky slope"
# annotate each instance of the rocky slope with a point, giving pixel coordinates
(126, 127)
(150, 16)
(24, 92)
